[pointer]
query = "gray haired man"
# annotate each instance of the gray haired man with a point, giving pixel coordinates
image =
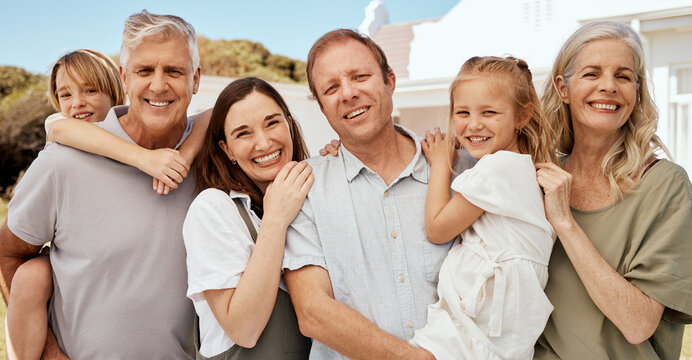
(117, 254)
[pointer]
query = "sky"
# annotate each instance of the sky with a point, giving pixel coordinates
(35, 34)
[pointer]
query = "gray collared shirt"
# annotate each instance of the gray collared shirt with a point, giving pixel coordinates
(371, 239)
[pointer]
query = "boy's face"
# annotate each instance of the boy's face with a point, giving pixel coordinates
(80, 100)
(159, 81)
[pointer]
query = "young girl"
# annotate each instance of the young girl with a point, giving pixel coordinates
(84, 85)
(492, 304)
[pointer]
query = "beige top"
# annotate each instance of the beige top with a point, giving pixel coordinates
(646, 237)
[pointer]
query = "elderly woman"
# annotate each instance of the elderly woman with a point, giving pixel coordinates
(249, 168)
(621, 273)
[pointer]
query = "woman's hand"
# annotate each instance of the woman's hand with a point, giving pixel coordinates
(436, 150)
(332, 148)
(285, 195)
(167, 167)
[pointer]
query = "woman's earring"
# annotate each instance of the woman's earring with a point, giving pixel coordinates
(233, 161)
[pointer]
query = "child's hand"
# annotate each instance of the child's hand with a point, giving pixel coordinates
(436, 150)
(166, 165)
(285, 195)
(160, 187)
(332, 148)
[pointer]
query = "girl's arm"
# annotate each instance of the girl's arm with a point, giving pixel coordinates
(167, 165)
(243, 312)
(634, 313)
(445, 218)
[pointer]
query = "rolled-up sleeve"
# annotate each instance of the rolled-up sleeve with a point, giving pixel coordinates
(303, 244)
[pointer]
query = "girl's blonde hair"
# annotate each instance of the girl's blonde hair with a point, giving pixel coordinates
(534, 138)
(636, 141)
(94, 68)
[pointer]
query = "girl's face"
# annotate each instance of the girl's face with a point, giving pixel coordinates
(258, 138)
(79, 100)
(484, 116)
(603, 91)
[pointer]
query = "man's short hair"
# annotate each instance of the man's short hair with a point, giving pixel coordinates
(343, 35)
(142, 25)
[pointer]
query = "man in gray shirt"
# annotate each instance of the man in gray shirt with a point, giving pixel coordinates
(117, 250)
(359, 267)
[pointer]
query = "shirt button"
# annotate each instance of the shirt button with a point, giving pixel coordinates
(386, 194)
(402, 278)
(394, 234)
(409, 324)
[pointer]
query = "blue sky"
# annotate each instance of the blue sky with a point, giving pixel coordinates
(35, 34)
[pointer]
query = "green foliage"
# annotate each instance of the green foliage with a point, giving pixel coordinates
(240, 58)
(13, 78)
(22, 136)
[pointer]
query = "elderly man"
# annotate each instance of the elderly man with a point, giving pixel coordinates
(117, 253)
(359, 267)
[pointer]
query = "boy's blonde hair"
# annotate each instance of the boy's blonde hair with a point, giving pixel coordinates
(94, 68)
(534, 138)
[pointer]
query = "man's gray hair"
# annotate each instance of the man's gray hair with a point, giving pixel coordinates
(142, 25)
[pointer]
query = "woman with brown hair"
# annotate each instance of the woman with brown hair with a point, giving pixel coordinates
(250, 168)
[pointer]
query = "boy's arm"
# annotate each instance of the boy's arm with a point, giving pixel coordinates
(164, 164)
(191, 146)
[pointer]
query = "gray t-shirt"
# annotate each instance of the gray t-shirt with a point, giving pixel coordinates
(118, 257)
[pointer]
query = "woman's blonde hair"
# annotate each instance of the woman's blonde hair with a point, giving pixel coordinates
(636, 141)
(535, 137)
(94, 68)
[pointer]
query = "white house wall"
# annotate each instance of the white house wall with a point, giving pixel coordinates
(533, 30)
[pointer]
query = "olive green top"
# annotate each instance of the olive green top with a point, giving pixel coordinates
(645, 236)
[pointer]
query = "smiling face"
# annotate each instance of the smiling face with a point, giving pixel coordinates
(160, 81)
(258, 138)
(603, 90)
(79, 100)
(353, 94)
(484, 116)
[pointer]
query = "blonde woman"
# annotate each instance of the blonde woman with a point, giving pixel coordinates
(620, 276)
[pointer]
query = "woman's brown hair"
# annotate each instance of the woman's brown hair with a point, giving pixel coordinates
(214, 168)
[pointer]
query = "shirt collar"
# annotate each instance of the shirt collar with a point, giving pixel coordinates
(244, 198)
(112, 124)
(418, 167)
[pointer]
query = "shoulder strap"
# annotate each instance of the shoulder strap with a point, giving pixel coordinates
(246, 217)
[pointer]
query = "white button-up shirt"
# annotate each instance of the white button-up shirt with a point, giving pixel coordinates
(371, 239)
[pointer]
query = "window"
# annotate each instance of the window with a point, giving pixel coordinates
(680, 120)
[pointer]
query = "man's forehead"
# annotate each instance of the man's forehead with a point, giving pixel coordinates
(165, 49)
(359, 55)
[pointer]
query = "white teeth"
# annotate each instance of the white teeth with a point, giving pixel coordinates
(159, 104)
(83, 116)
(355, 113)
(267, 158)
(604, 106)
(476, 139)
